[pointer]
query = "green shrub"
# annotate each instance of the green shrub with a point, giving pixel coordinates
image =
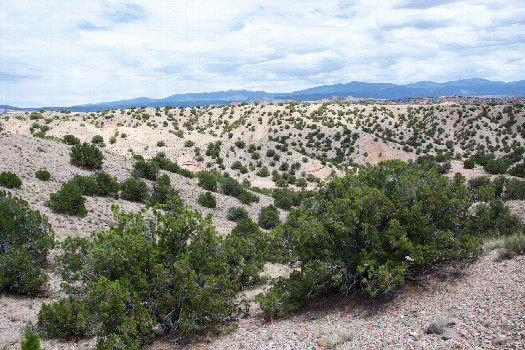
(65, 318)
(230, 187)
(30, 340)
(369, 231)
(25, 240)
(107, 185)
(168, 271)
(134, 190)
(162, 190)
(146, 170)
(86, 156)
(207, 180)
(286, 198)
(237, 214)
(161, 143)
(42, 175)
(518, 170)
(68, 200)
(97, 139)
(9, 180)
(263, 172)
(207, 200)
(268, 217)
(240, 143)
(515, 190)
(247, 248)
(469, 163)
(112, 139)
(70, 140)
(480, 189)
(246, 197)
(188, 143)
(496, 166)
(494, 219)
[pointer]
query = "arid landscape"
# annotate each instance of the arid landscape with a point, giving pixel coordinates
(299, 145)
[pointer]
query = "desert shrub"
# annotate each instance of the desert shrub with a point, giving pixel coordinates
(42, 175)
(68, 200)
(146, 170)
(247, 248)
(133, 190)
(168, 271)
(25, 240)
(494, 219)
(444, 168)
(65, 318)
(246, 197)
(518, 170)
(70, 140)
(86, 156)
(515, 190)
(112, 139)
(9, 180)
(469, 164)
(369, 231)
(161, 143)
(480, 189)
(512, 246)
(268, 217)
(240, 143)
(87, 184)
(30, 340)
(97, 139)
(107, 185)
(188, 143)
(230, 187)
(286, 198)
(263, 172)
(496, 166)
(207, 200)
(236, 214)
(207, 180)
(162, 190)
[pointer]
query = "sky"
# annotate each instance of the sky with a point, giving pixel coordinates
(69, 52)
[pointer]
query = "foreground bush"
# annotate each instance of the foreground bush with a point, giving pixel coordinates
(169, 271)
(86, 156)
(10, 180)
(369, 231)
(68, 200)
(25, 241)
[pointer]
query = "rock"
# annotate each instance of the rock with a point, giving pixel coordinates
(450, 334)
(500, 339)
(200, 347)
(434, 328)
(418, 345)
(323, 343)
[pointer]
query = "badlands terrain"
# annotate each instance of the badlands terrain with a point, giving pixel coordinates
(294, 145)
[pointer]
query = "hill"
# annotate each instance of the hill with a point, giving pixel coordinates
(293, 145)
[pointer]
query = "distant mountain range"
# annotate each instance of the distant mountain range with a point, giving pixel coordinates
(422, 89)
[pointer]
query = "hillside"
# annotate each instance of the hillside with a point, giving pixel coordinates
(295, 145)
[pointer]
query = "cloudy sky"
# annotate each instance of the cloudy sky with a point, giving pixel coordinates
(67, 52)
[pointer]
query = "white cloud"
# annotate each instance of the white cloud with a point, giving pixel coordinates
(68, 52)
